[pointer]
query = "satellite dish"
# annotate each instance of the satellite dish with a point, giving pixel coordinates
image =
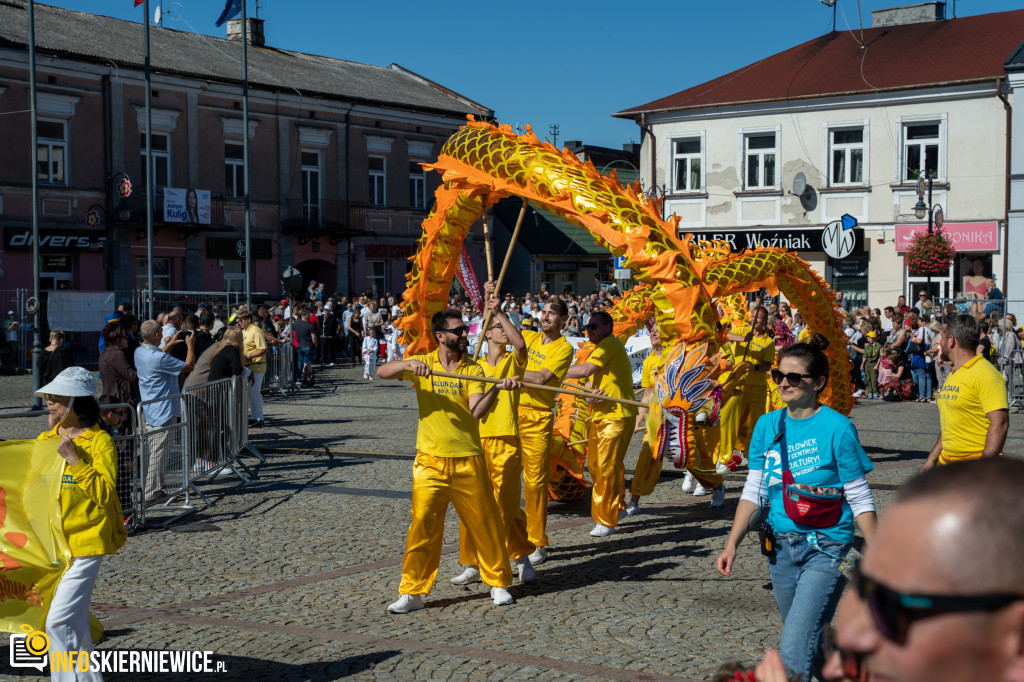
(799, 184)
(291, 282)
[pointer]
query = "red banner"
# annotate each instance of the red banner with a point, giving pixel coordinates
(467, 278)
(965, 236)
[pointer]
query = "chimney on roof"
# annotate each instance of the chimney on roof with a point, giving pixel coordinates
(255, 31)
(631, 148)
(909, 14)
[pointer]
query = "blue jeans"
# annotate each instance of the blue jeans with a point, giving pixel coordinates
(923, 381)
(807, 585)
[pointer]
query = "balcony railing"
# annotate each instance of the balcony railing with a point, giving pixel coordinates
(132, 211)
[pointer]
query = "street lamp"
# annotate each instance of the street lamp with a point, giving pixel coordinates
(933, 211)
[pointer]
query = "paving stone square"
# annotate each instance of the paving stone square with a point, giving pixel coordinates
(288, 577)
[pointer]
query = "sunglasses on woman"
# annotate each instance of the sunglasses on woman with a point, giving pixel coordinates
(793, 378)
(893, 612)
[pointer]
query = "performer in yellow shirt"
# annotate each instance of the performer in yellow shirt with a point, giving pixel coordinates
(741, 411)
(548, 358)
(973, 407)
(648, 469)
(499, 436)
(449, 465)
(611, 425)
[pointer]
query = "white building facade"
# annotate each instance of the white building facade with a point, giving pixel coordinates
(772, 158)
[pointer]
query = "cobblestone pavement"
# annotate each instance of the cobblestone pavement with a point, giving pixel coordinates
(288, 577)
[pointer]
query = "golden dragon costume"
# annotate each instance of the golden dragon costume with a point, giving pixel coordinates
(482, 163)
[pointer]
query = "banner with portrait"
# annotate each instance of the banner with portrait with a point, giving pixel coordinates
(186, 206)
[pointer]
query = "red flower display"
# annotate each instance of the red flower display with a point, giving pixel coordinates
(929, 254)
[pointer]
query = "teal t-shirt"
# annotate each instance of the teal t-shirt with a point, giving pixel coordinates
(823, 450)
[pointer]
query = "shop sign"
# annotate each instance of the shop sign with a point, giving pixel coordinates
(965, 236)
(804, 239)
(52, 241)
(561, 266)
(390, 251)
(55, 264)
(228, 248)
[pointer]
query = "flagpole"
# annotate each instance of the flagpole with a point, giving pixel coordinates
(245, 155)
(37, 344)
(150, 203)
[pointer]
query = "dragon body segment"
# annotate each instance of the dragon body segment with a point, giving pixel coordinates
(682, 281)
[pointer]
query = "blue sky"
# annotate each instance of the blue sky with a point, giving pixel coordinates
(569, 62)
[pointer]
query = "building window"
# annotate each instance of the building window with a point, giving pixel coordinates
(417, 185)
(847, 147)
(375, 277)
(234, 275)
(161, 274)
(52, 151)
(920, 150)
(686, 155)
(311, 187)
(234, 169)
(378, 181)
(161, 150)
(760, 152)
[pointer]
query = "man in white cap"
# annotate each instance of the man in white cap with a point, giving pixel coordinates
(158, 378)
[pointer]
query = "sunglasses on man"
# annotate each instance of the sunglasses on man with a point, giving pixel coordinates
(458, 331)
(893, 612)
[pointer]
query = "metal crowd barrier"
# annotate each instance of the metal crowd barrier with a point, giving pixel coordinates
(127, 483)
(1013, 372)
(164, 459)
(280, 376)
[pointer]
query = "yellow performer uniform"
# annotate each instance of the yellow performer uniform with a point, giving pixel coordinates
(499, 435)
(965, 400)
(449, 466)
(611, 429)
(740, 412)
(535, 422)
(648, 469)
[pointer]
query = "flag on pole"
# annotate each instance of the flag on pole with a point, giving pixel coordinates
(139, 2)
(232, 8)
(467, 278)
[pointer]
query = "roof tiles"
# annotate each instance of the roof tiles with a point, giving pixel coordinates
(892, 57)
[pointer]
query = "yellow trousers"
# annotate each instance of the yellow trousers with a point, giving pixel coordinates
(463, 481)
(535, 438)
(606, 454)
(738, 416)
(646, 472)
(505, 466)
(755, 404)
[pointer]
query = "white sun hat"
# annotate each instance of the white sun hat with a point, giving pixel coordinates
(72, 382)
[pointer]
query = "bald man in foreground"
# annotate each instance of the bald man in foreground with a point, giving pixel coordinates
(939, 593)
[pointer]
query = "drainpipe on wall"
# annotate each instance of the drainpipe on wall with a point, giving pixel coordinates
(348, 194)
(646, 129)
(1006, 213)
(108, 175)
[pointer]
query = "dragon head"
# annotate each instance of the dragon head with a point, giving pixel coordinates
(689, 400)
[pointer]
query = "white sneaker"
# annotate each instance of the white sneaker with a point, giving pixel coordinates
(539, 556)
(525, 568)
(699, 490)
(501, 596)
(470, 575)
(688, 482)
(718, 496)
(406, 603)
(859, 393)
(632, 508)
(601, 531)
(721, 468)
